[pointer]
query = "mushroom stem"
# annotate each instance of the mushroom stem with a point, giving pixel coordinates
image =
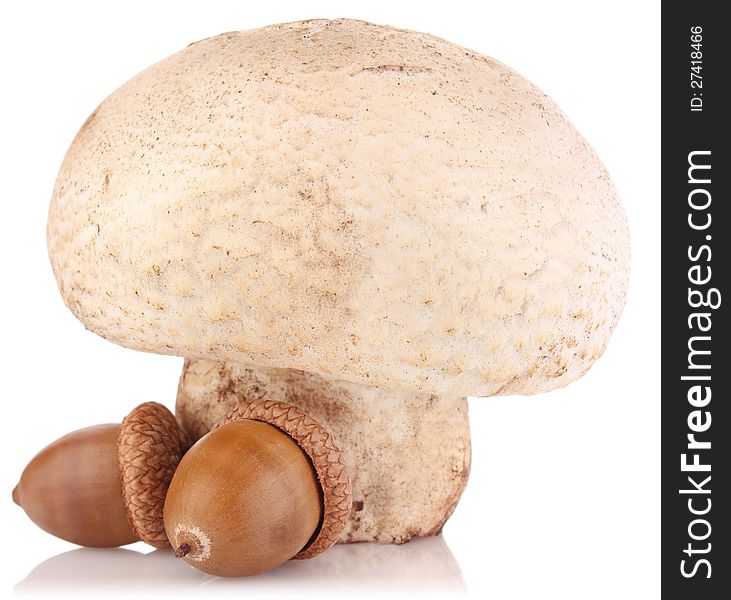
(182, 551)
(423, 438)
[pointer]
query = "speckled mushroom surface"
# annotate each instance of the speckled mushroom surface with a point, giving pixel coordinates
(408, 454)
(357, 201)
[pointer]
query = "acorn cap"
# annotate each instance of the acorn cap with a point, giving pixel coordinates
(326, 458)
(150, 445)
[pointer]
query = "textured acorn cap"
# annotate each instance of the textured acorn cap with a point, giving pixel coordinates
(327, 462)
(361, 202)
(150, 445)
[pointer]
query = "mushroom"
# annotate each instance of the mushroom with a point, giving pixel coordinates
(367, 222)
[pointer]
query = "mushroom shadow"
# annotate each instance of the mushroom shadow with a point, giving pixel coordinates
(423, 566)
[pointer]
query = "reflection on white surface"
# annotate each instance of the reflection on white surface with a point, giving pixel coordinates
(422, 566)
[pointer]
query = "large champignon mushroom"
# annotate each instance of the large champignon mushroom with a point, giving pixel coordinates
(378, 216)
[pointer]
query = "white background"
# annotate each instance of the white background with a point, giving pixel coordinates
(563, 501)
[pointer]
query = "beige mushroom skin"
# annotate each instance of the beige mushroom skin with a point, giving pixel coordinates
(408, 453)
(364, 203)
(381, 221)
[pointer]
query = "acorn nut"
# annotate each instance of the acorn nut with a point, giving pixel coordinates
(266, 485)
(105, 485)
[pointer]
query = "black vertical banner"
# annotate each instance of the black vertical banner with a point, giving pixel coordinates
(696, 260)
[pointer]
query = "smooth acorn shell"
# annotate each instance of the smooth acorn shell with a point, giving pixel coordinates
(243, 500)
(72, 489)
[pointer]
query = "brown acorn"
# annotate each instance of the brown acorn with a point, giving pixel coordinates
(105, 485)
(268, 484)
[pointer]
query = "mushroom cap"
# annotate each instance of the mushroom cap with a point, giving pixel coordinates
(362, 202)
